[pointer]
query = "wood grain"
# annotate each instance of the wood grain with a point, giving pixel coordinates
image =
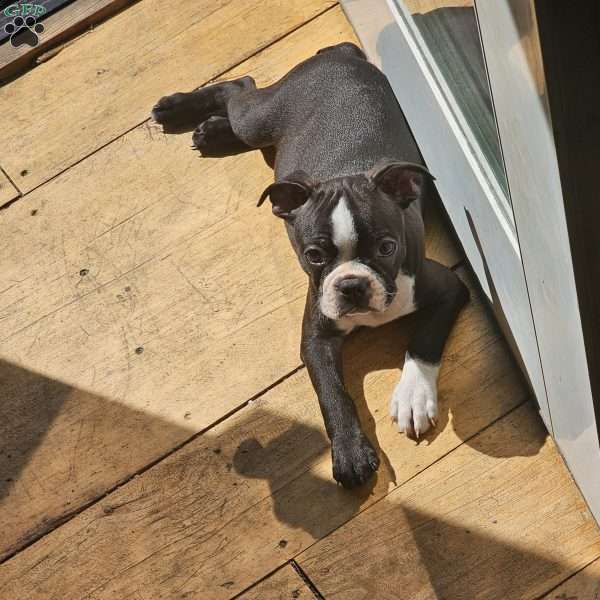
(585, 585)
(58, 27)
(285, 584)
(174, 261)
(237, 502)
(8, 191)
(498, 518)
(108, 81)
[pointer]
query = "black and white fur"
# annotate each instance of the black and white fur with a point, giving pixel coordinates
(349, 184)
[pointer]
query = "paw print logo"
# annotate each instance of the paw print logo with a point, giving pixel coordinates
(24, 31)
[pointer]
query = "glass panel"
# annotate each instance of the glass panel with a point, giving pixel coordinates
(449, 31)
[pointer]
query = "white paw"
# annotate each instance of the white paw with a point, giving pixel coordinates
(414, 402)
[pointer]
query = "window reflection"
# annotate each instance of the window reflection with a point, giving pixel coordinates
(450, 31)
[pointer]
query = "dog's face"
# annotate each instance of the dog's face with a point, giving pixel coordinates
(349, 233)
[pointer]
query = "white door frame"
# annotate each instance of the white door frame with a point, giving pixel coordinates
(527, 257)
(516, 71)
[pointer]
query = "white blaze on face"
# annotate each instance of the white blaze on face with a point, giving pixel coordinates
(343, 232)
(345, 238)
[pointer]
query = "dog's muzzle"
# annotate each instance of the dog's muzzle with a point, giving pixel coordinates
(352, 287)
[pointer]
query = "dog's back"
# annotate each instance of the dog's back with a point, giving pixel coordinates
(345, 103)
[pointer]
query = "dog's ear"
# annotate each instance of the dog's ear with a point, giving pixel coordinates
(402, 181)
(288, 194)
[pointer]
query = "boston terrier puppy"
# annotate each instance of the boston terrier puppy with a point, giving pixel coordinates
(349, 185)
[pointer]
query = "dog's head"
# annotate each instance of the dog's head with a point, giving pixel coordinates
(350, 233)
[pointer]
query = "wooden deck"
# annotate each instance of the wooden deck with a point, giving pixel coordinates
(159, 437)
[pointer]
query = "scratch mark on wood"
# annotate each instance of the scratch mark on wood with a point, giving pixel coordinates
(77, 299)
(189, 282)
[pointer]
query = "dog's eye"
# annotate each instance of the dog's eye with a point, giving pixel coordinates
(315, 256)
(387, 248)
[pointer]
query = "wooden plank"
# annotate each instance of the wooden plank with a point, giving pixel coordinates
(163, 46)
(8, 191)
(585, 585)
(285, 584)
(58, 28)
(114, 219)
(498, 518)
(239, 501)
(176, 260)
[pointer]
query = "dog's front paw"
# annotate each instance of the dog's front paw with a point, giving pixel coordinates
(354, 460)
(414, 402)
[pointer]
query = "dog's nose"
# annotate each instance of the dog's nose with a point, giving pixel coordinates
(353, 289)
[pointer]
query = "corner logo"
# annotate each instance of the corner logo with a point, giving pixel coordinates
(24, 28)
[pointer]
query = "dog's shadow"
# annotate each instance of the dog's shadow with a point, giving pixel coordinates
(314, 502)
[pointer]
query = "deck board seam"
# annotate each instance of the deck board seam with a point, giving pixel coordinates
(418, 474)
(260, 580)
(307, 581)
(69, 516)
(454, 267)
(59, 40)
(18, 191)
(66, 518)
(5, 173)
(563, 581)
(148, 119)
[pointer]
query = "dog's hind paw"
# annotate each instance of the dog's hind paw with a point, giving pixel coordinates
(414, 402)
(210, 132)
(166, 109)
(179, 112)
(215, 138)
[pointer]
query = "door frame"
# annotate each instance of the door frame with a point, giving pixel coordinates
(570, 45)
(549, 151)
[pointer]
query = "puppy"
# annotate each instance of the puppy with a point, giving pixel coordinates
(349, 185)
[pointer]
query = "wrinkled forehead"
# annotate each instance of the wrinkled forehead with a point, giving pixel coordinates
(347, 214)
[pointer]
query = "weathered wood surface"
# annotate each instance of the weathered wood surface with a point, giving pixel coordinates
(498, 518)
(58, 27)
(285, 584)
(584, 585)
(108, 361)
(8, 191)
(254, 491)
(142, 245)
(107, 82)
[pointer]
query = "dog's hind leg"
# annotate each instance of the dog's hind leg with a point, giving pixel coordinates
(184, 111)
(227, 118)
